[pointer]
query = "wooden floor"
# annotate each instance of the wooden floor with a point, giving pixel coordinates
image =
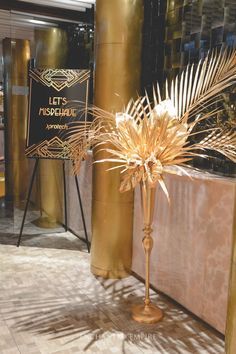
(51, 303)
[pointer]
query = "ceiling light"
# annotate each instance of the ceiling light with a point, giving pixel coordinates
(75, 3)
(87, 1)
(29, 14)
(55, 3)
(38, 22)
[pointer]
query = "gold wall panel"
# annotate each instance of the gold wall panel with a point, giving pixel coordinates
(230, 341)
(51, 46)
(51, 52)
(16, 53)
(117, 79)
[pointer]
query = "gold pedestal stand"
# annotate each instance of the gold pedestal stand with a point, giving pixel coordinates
(147, 312)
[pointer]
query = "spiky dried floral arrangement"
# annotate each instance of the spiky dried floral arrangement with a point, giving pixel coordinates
(147, 138)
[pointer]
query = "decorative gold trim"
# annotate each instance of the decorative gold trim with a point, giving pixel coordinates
(59, 78)
(54, 148)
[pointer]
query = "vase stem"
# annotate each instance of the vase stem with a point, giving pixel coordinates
(147, 245)
(147, 313)
(148, 203)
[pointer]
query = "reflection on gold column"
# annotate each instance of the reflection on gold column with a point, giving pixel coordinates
(117, 79)
(16, 53)
(231, 317)
(51, 52)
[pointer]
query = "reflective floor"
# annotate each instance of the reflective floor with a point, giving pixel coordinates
(51, 303)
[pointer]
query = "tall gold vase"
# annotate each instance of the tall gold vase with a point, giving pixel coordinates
(147, 312)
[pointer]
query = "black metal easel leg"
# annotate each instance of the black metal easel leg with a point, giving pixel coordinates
(27, 200)
(65, 201)
(82, 213)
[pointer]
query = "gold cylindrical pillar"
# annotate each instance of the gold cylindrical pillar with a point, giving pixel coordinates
(117, 80)
(51, 52)
(230, 341)
(16, 54)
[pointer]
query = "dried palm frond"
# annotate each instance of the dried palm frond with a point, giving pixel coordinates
(147, 138)
(83, 135)
(201, 84)
(222, 141)
(146, 144)
(79, 138)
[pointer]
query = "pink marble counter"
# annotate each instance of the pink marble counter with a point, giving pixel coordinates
(85, 184)
(190, 260)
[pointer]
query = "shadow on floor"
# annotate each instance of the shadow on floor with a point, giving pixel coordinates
(55, 298)
(33, 236)
(105, 315)
(57, 240)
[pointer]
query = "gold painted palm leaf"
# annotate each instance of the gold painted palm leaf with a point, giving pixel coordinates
(202, 84)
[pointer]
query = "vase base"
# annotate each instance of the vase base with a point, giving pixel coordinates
(147, 313)
(46, 223)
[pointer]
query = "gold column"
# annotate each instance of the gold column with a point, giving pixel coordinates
(16, 53)
(51, 52)
(117, 79)
(230, 341)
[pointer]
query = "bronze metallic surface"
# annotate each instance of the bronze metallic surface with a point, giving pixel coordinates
(16, 53)
(51, 52)
(50, 48)
(2, 184)
(230, 340)
(148, 312)
(117, 79)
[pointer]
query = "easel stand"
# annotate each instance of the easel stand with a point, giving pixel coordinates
(65, 203)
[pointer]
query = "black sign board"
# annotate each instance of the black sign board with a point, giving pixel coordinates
(50, 111)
